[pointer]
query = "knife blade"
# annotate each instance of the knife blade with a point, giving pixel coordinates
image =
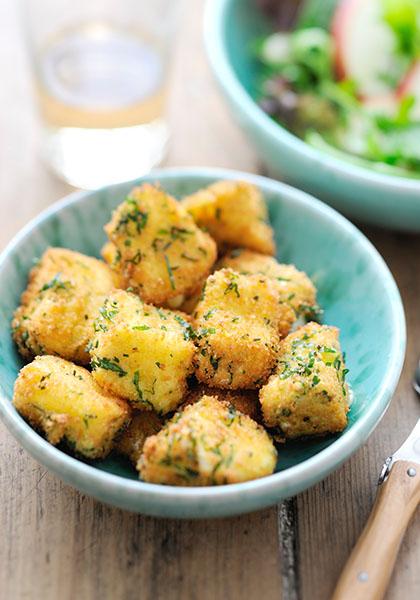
(409, 451)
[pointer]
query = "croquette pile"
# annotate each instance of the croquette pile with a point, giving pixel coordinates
(181, 350)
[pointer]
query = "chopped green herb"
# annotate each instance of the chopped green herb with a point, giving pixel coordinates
(56, 283)
(107, 312)
(136, 258)
(209, 313)
(232, 414)
(214, 362)
(108, 364)
(42, 384)
(189, 333)
(170, 272)
(190, 258)
(134, 215)
(205, 331)
(136, 383)
(233, 287)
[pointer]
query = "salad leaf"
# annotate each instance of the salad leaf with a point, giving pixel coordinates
(313, 49)
(313, 138)
(403, 16)
(398, 147)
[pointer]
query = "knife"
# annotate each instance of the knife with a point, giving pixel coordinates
(369, 568)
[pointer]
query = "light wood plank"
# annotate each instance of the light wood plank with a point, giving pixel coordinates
(62, 544)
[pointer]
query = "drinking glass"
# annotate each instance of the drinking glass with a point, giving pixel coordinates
(100, 73)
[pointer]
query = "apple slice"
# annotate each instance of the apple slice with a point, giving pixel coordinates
(410, 86)
(365, 46)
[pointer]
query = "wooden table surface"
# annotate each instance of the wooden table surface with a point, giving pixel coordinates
(58, 543)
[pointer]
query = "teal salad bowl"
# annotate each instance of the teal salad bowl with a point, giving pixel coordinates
(356, 290)
(231, 29)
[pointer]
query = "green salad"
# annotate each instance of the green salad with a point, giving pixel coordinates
(346, 79)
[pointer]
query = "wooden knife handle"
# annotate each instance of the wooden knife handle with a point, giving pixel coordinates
(369, 568)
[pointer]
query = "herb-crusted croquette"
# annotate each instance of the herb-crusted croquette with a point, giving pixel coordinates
(159, 250)
(131, 440)
(208, 443)
(245, 401)
(237, 325)
(296, 289)
(142, 353)
(307, 395)
(64, 402)
(64, 293)
(234, 213)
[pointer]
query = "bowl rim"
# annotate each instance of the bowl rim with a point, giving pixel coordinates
(290, 480)
(213, 25)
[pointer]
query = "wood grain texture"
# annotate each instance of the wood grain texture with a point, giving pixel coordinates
(369, 568)
(57, 543)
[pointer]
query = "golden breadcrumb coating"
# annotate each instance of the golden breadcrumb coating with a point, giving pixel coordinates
(237, 325)
(131, 440)
(245, 401)
(296, 289)
(142, 353)
(307, 395)
(208, 443)
(159, 251)
(64, 402)
(64, 293)
(234, 213)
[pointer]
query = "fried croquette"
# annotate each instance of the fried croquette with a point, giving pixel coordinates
(296, 289)
(64, 293)
(208, 443)
(159, 252)
(234, 213)
(237, 325)
(307, 395)
(65, 403)
(142, 353)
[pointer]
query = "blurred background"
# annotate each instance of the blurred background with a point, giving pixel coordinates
(195, 114)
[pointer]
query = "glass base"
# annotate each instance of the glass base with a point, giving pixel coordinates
(92, 158)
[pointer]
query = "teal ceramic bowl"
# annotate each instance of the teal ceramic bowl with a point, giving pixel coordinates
(231, 27)
(356, 290)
